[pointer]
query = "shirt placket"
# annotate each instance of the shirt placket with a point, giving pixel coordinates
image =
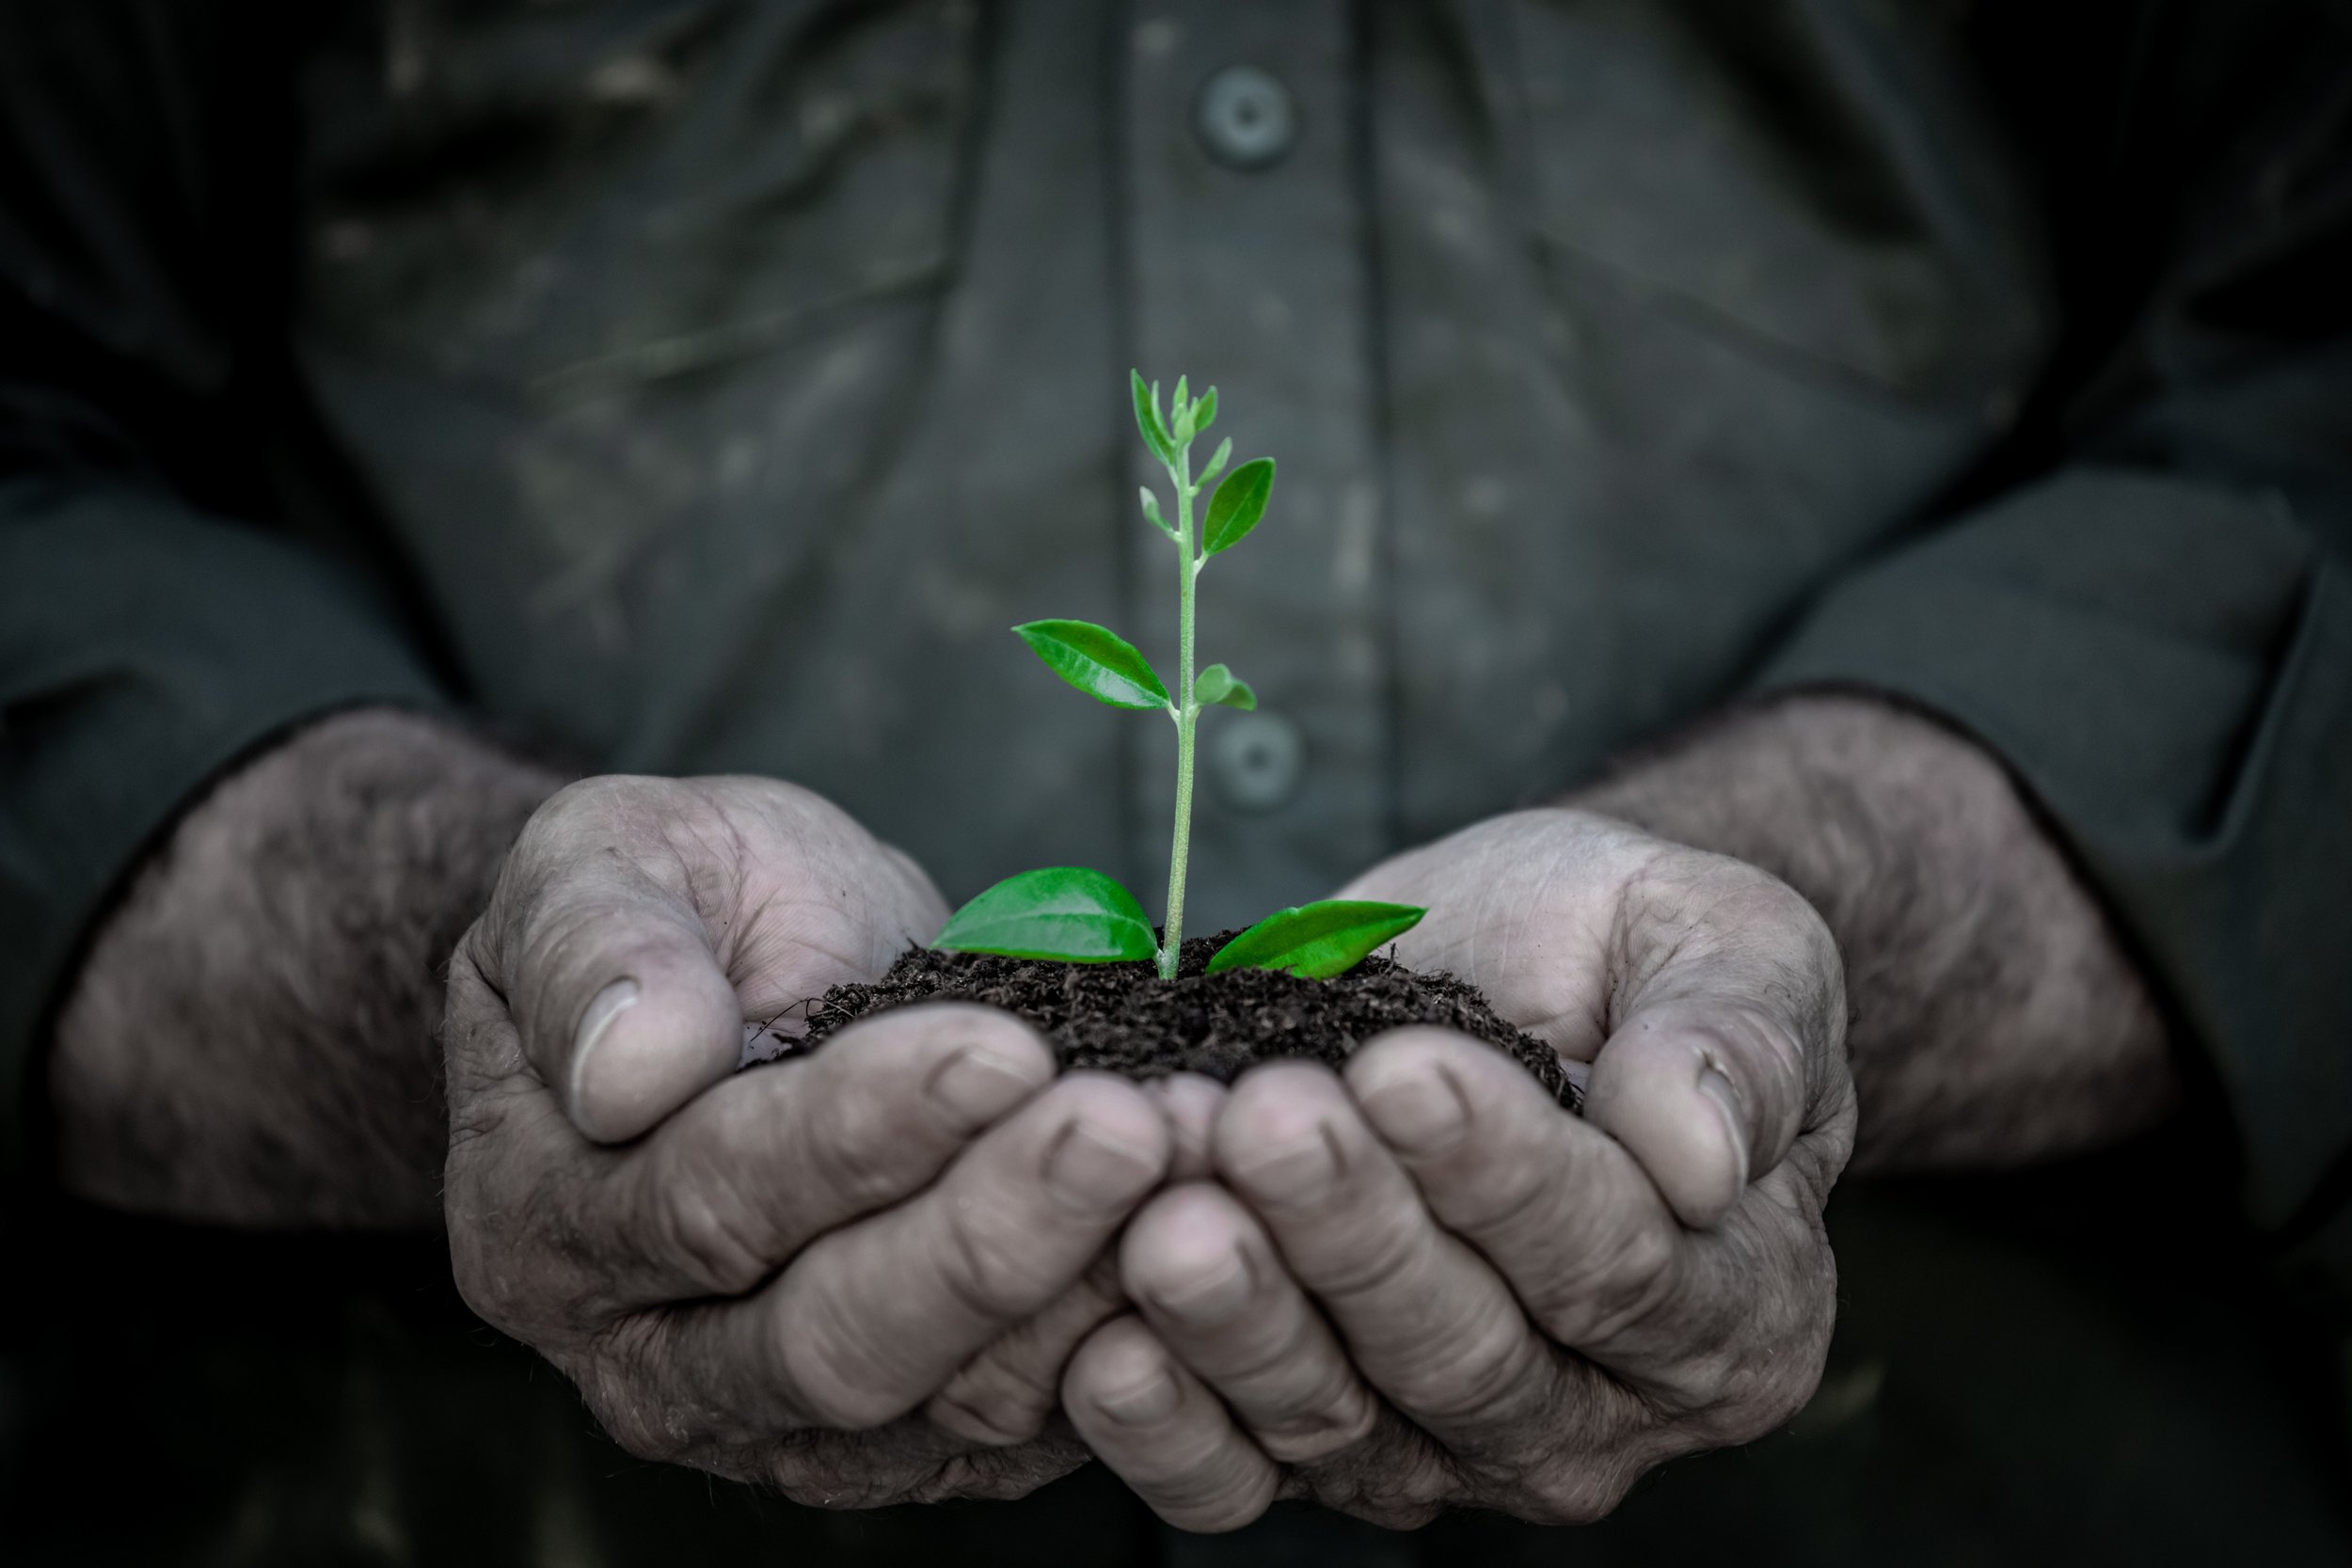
(1245, 245)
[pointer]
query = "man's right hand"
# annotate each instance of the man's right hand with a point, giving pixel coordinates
(765, 1275)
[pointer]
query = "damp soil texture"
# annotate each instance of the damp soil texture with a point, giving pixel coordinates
(1123, 1018)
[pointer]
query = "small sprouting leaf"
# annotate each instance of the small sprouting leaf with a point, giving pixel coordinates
(1217, 684)
(1237, 505)
(1152, 511)
(1317, 940)
(1179, 405)
(1204, 415)
(1217, 464)
(1097, 661)
(1063, 911)
(1148, 418)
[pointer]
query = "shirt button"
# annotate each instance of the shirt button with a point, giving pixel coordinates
(1257, 759)
(1244, 117)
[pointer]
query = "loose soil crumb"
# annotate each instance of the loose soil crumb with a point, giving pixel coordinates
(1123, 1018)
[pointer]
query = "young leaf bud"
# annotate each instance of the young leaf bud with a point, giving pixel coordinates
(1152, 511)
(1217, 464)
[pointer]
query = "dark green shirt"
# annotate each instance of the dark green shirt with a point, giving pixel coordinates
(708, 387)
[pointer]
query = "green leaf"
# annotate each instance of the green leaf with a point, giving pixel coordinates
(1063, 911)
(1152, 511)
(1097, 661)
(1238, 504)
(1317, 940)
(1216, 685)
(1205, 414)
(1148, 418)
(1217, 464)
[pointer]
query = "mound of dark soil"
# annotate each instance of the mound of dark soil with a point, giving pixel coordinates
(1123, 1018)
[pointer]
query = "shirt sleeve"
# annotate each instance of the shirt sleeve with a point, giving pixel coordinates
(2155, 633)
(2166, 666)
(143, 649)
(159, 618)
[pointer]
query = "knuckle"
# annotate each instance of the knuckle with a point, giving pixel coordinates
(581, 812)
(860, 1142)
(1622, 1282)
(842, 1355)
(991, 1409)
(1496, 1194)
(1342, 1421)
(828, 1393)
(987, 1267)
(725, 1250)
(1382, 1256)
(1571, 1492)
(1492, 1368)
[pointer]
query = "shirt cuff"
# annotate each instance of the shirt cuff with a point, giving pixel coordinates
(2168, 669)
(143, 650)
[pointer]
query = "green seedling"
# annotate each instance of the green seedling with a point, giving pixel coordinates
(1081, 916)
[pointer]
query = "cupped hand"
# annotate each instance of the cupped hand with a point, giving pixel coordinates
(769, 1275)
(1424, 1285)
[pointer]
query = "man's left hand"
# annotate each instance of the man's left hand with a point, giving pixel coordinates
(1427, 1287)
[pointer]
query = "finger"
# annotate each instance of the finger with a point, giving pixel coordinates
(1191, 1101)
(623, 1005)
(873, 1319)
(1163, 1433)
(728, 1190)
(1009, 1391)
(1721, 1053)
(745, 1177)
(1210, 1283)
(1427, 1322)
(1732, 1323)
(1566, 1216)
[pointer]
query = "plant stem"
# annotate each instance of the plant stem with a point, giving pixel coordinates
(1187, 715)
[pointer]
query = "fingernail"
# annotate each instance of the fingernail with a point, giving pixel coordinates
(1214, 1296)
(1298, 1174)
(608, 1004)
(1420, 1113)
(1090, 1169)
(1141, 1403)
(979, 1086)
(1717, 1088)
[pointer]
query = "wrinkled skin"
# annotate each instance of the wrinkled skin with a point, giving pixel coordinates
(860, 1276)
(770, 1275)
(1420, 1286)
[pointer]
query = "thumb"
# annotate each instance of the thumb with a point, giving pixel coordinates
(1718, 1059)
(616, 993)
